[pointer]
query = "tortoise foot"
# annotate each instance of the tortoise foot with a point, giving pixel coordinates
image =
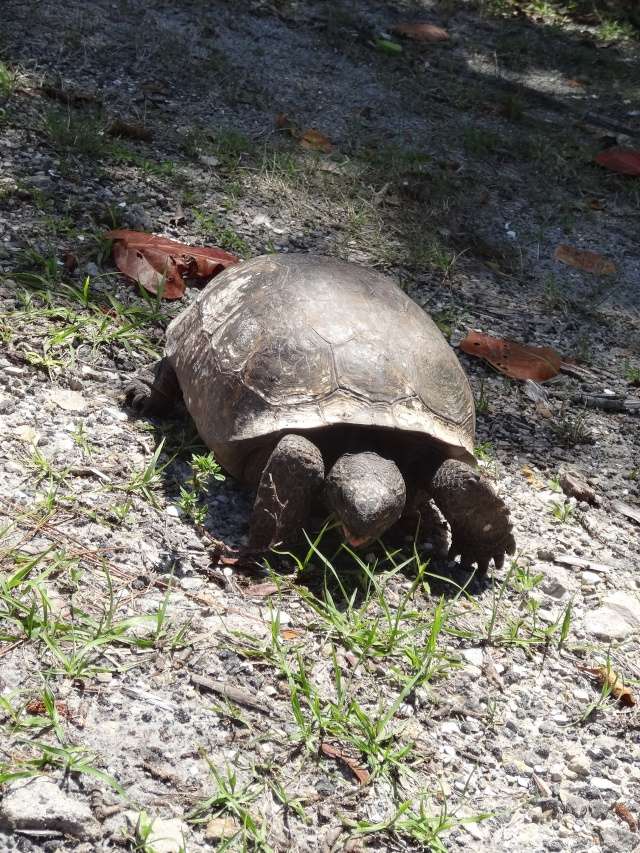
(292, 477)
(481, 530)
(154, 391)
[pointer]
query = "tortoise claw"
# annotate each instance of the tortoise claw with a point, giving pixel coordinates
(481, 529)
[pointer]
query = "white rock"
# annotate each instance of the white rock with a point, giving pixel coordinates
(617, 618)
(590, 578)
(39, 804)
(450, 727)
(167, 836)
(475, 656)
(580, 765)
(70, 401)
(556, 773)
(28, 434)
(557, 582)
(603, 784)
(115, 414)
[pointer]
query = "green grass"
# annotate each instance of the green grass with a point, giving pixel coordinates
(78, 134)
(62, 316)
(8, 80)
(223, 236)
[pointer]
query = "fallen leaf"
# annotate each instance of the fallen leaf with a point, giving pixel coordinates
(624, 813)
(70, 261)
(624, 161)
(517, 361)
(585, 260)
(609, 678)
(291, 633)
(421, 31)
(67, 96)
(596, 204)
(361, 773)
(315, 141)
(282, 121)
(158, 262)
(129, 130)
(531, 477)
(261, 590)
(38, 708)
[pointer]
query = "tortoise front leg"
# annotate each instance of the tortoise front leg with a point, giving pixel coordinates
(154, 390)
(479, 519)
(292, 477)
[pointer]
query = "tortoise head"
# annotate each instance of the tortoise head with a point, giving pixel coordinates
(367, 494)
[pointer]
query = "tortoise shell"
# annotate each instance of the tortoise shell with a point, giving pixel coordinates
(291, 343)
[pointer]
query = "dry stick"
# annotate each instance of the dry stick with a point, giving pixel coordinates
(234, 694)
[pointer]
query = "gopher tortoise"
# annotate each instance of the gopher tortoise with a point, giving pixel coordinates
(312, 379)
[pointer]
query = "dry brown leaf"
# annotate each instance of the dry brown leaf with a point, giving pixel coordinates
(315, 141)
(157, 262)
(608, 677)
(261, 590)
(624, 161)
(532, 478)
(361, 773)
(515, 360)
(291, 633)
(67, 96)
(70, 261)
(624, 813)
(129, 130)
(421, 31)
(282, 121)
(585, 260)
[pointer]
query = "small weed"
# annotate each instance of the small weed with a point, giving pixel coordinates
(84, 136)
(553, 483)
(189, 503)
(414, 821)
(524, 580)
(224, 237)
(572, 430)
(80, 437)
(632, 375)
(482, 403)
(204, 469)
(235, 800)
(480, 142)
(582, 349)
(7, 80)
(553, 299)
(562, 511)
(512, 108)
(484, 452)
(612, 31)
(445, 320)
(145, 482)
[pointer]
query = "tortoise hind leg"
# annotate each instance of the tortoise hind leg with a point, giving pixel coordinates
(154, 390)
(479, 519)
(290, 480)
